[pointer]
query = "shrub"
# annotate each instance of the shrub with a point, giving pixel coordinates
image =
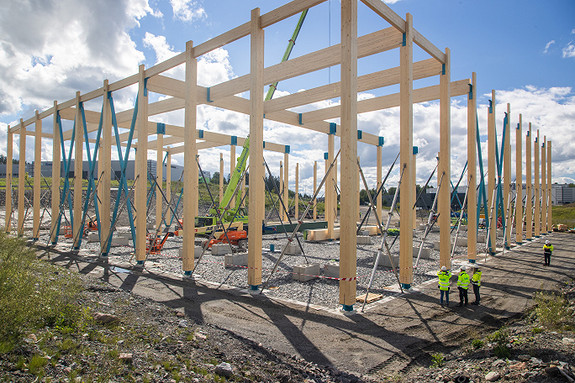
(552, 310)
(476, 343)
(437, 360)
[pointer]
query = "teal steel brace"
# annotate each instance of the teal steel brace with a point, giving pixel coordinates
(454, 195)
(66, 191)
(482, 197)
(176, 208)
(123, 186)
(499, 161)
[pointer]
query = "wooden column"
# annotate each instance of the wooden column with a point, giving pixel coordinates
(537, 193)
(330, 186)
(334, 194)
(257, 192)
(379, 174)
(414, 183)
(169, 186)
(444, 167)
(190, 166)
(518, 183)
(529, 188)
(296, 200)
(9, 159)
(77, 226)
(314, 190)
(105, 172)
(221, 187)
(406, 153)
(232, 169)
(349, 189)
(281, 190)
(56, 170)
(507, 179)
(491, 175)
(543, 227)
(142, 168)
(549, 190)
(286, 183)
(37, 176)
(21, 179)
(159, 179)
(472, 170)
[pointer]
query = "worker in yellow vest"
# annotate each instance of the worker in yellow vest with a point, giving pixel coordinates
(547, 251)
(444, 276)
(463, 285)
(476, 282)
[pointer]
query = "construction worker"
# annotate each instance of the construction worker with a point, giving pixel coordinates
(444, 276)
(463, 285)
(547, 251)
(476, 282)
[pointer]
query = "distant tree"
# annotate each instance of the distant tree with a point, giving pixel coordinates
(215, 178)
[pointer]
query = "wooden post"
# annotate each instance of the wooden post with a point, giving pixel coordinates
(9, 159)
(21, 179)
(77, 226)
(472, 170)
(537, 195)
(105, 170)
(414, 183)
(169, 186)
(190, 165)
(286, 184)
(314, 190)
(232, 168)
(444, 167)
(543, 227)
(529, 188)
(257, 193)
(492, 175)
(281, 189)
(379, 172)
(142, 167)
(349, 189)
(330, 187)
(296, 200)
(507, 179)
(159, 180)
(549, 190)
(221, 188)
(37, 176)
(518, 183)
(334, 194)
(406, 153)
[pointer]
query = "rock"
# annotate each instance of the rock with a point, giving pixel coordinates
(126, 357)
(568, 341)
(103, 318)
(523, 357)
(224, 369)
(536, 361)
(180, 314)
(499, 363)
(492, 376)
(518, 366)
(200, 336)
(461, 379)
(183, 323)
(553, 371)
(32, 338)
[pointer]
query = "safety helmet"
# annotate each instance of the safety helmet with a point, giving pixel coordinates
(547, 242)
(463, 268)
(443, 268)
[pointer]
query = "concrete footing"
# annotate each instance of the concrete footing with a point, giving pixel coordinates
(304, 273)
(236, 260)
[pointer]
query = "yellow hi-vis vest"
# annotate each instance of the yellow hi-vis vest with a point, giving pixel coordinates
(548, 249)
(463, 280)
(476, 278)
(444, 277)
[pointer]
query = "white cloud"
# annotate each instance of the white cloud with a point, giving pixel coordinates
(187, 10)
(548, 45)
(569, 50)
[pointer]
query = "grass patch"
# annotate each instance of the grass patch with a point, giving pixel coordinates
(437, 360)
(501, 339)
(564, 215)
(553, 312)
(477, 344)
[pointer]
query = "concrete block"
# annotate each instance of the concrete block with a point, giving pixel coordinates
(436, 245)
(363, 232)
(235, 260)
(372, 230)
(151, 226)
(435, 229)
(331, 270)
(197, 252)
(422, 226)
(221, 249)
(320, 234)
(384, 260)
(93, 237)
(120, 241)
(425, 252)
(481, 238)
(364, 240)
(304, 273)
(292, 248)
(461, 242)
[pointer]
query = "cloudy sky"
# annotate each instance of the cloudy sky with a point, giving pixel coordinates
(524, 49)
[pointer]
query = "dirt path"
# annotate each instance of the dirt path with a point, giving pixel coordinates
(387, 338)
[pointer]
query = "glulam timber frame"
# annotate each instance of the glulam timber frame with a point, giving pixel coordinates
(187, 95)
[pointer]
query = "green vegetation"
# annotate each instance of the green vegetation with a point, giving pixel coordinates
(553, 311)
(564, 214)
(477, 344)
(501, 338)
(437, 360)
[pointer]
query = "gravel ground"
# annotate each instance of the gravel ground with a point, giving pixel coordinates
(321, 290)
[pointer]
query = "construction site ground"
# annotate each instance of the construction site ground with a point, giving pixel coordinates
(392, 335)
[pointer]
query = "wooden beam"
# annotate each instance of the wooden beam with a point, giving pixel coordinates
(314, 190)
(472, 170)
(160, 180)
(518, 183)
(491, 174)
(37, 185)
(9, 161)
(529, 187)
(21, 178)
(444, 166)
(507, 180)
(141, 166)
(296, 200)
(537, 193)
(549, 190)
(105, 171)
(544, 186)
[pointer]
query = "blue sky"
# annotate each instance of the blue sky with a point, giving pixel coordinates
(525, 50)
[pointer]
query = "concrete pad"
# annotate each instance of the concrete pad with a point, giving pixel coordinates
(221, 249)
(331, 270)
(372, 230)
(462, 242)
(304, 273)
(292, 248)
(120, 241)
(320, 234)
(93, 237)
(425, 252)
(197, 252)
(436, 245)
(364, 240)
(384, 260)
(235, 260)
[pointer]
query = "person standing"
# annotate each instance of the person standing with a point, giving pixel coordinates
(547, 251)
(463, 285)
(444, 276)
(476, 282)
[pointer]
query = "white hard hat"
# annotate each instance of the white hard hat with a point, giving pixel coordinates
(443, 268)
(547, 242)
(463, 268)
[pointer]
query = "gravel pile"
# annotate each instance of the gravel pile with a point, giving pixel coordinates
(320, 290)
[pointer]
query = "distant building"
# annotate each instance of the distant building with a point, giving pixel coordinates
(562, 194)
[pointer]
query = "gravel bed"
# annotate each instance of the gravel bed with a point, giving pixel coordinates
(321, 290)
